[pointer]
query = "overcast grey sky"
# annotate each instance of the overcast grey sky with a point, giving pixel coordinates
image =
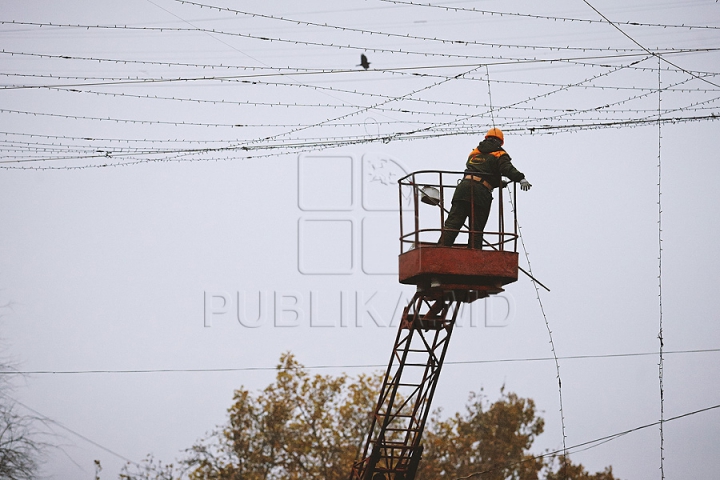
(157, 187)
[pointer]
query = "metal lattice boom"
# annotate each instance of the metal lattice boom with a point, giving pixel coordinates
(445, 276)
(392, 449)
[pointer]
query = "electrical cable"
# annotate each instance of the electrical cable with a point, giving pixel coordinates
(69, 430)
(365, 109)
(386, 34)
(660, 271)
(309, 43)
(547, 326)
(660, 57)
(543, 17)
(414, 124)
(492, 112)
(299, 147)
(361, 366)
(591, 443)
(504, 60)
(527, 100)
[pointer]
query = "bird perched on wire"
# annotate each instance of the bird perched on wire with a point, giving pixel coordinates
(364, 61)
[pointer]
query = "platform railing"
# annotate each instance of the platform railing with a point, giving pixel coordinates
(425, 200)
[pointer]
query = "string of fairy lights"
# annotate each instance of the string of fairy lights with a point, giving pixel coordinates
(538, 17)
(323, 44)
(621, 112)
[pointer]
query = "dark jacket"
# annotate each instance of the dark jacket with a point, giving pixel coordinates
(491, 162)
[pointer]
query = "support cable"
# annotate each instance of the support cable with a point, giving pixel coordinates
(543, 17)
(492, 114)
(589, 444)
(308, 43)
(361, 366)
(659, 57)
(215, 36)
(552, 342)
(365, 31)
(49, 421)
(660, 332)
(537, 293)
(241, 152)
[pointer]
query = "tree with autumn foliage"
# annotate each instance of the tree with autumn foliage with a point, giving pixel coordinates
(300, 427)
(492, 442)
(313, 427)
(490, 439)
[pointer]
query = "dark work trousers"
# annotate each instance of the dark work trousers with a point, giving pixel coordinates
(471, 200)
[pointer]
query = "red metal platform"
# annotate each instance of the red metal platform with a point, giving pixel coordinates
(458, 268)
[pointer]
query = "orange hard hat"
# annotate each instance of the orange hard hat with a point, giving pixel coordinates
(496, 132)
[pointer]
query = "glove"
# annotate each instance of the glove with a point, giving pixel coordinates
(525, 185)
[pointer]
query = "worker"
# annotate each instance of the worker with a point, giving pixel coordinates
(485, 167)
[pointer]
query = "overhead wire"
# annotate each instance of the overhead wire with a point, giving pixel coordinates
(214, 37)
(365, 109)
(576, 112)
(588, 444)
(392, 70)
(49, 420)
(660, 272)
(126, 120)
(660, 57)
(366, 94)
(526, 100)
(297, 41)
(278, 104)
(405, 36)
(542, 17)
(535, 284)
(659, 203)
(312, 43)
(297, 147)
(500, 60)
(346, 366)
(568, 119)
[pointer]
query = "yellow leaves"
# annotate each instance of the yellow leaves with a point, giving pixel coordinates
(491, 439)
(306, 427)
(301, 426)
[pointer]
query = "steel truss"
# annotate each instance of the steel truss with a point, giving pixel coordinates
(392, 449)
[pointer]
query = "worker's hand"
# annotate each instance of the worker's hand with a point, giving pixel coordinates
(525, 185)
